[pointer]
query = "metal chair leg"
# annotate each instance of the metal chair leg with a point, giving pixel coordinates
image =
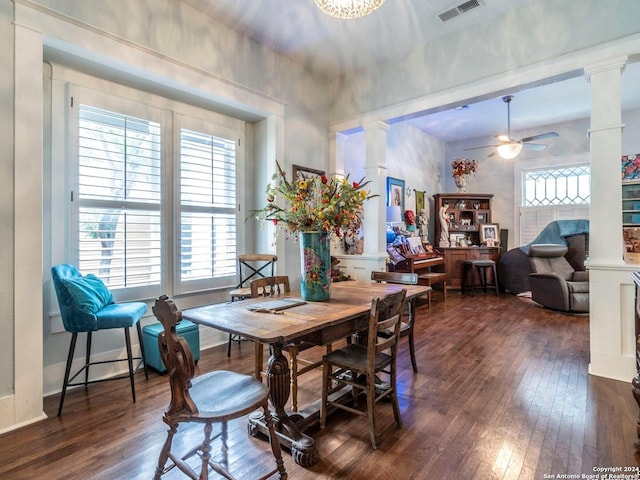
(142, 353)
(87, 361)
(67, 371)
(127, 338)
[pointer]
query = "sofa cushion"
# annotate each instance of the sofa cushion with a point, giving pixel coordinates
(580, 276)
(578, 287)
(88, 293)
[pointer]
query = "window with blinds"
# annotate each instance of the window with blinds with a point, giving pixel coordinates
(119, 195)
(207, 206)
(556, 193)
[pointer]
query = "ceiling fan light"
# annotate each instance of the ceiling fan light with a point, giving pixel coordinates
(509, 150)
(346, 9)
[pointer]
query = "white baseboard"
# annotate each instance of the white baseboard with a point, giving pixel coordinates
(7, 415)
(54, 374)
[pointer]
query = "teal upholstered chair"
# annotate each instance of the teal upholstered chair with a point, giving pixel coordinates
(86, 305)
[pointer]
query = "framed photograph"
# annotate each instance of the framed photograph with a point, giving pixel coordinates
(489, 231)
(302, 173)
(395, 193)
(457, 239)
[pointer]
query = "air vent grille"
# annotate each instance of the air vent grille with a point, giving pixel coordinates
(458, 10)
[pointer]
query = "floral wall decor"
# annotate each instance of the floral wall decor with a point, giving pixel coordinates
(631, 167)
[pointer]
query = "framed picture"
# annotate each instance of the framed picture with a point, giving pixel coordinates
(457, 239)
(301, 173)
(489, 231)
(395, 193)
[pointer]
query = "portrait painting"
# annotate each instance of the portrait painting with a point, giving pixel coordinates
(395, 193)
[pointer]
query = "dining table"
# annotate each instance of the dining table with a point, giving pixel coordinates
(280, 320)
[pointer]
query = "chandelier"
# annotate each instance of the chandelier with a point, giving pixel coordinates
(346, 9)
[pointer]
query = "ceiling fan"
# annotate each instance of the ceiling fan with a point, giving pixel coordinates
(508, 147)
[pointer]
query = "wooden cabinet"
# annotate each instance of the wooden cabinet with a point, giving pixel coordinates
(454, 258)
(466, 212)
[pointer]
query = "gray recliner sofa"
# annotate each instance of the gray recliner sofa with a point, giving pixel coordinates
(554, 282)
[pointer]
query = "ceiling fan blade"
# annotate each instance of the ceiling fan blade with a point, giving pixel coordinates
(493, 154)
(484, 146)
(534, 146)
(540, 136)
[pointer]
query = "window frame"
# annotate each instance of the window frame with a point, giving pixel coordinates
(78, 95)
(215, 129)
(65, 174)
(552, 212)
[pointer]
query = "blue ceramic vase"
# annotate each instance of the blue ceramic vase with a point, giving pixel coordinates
(315, 258)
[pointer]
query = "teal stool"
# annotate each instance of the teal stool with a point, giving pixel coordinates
(186, 329)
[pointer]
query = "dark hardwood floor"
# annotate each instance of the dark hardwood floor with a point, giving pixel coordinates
(503, 393)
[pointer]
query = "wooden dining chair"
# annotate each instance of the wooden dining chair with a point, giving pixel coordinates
(406, 327)
(212, 398)
(272, 287)
(357, 365)
(250, 266)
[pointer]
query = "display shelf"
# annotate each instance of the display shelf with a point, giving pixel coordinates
(631, 220)
(466, 212)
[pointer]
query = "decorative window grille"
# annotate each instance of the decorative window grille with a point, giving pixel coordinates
(559, 186)
(555, 193)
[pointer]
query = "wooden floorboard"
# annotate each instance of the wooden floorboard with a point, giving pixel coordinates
(502, 393)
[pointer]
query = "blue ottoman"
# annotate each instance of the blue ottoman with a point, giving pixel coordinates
(186, 329)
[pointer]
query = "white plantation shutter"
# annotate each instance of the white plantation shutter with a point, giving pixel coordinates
(534, 219)
(151, 186)
(119, 193)
(208, 218)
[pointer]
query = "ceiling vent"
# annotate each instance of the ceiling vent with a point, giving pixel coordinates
(458, 10)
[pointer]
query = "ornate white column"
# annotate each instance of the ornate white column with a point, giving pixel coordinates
(374, 255)
(375, 240)
(612, 345)
(605, 244)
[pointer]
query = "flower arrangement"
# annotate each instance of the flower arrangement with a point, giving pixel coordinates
(463, 166)
(315, 204)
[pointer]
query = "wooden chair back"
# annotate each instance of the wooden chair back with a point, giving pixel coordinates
(402, 279)
(176, 355)
(386, 315)
(255, 265)
(406, 328)
(270, 286)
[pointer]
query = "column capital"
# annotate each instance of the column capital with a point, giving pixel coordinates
(617, 63)
(377, 124)
(337, 136)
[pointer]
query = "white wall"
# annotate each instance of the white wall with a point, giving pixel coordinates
(513, 49)
(6, 199)
(415, 157)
